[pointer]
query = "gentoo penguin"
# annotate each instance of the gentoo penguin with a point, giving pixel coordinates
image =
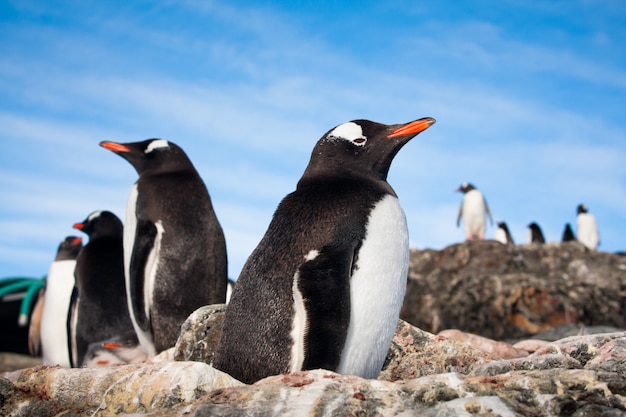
(586, 228)
(503, 235)
(473, 210)
(324, 287)
(174, 247)
(535, 235)
(119, 350)
(53, 336)
(101, 310)
(568, 234)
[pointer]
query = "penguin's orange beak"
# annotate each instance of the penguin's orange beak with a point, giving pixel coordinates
(114, 147)
(78, 226)
(111, 346)
(413, 128)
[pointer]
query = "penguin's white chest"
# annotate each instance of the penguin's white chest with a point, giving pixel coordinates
(500, 236)
(473, 212)
(59, 286)
(150, 269)
(587, 230)
(377, 289)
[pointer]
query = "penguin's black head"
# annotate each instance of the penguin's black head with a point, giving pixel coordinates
(69, 248)
(361, 147)
(100, 223)
(465, 187)
(151, 155)
(581, 209)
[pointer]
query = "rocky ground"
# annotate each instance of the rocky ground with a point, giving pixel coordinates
(507, 292)
(453, 373)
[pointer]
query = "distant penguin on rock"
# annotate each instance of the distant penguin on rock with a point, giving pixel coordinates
(174, 247)
(101, 309)
(503, 235)
(587, 228)
(535, 235)
(473, 211)
(324, 287)
(568, 234)
(52, 335)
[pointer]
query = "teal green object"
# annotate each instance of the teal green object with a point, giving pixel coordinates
(18, 284)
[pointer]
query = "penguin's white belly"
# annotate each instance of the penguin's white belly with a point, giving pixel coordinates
(587, 230)
(53, 333)
(130, 227)
(377, 290)
(473, 213)
(500, 236)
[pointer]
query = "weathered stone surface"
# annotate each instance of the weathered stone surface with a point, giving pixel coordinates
(199, 334)
(414, 353)
(493, 347)
(110, 391)
(510, 292)
(576, 376)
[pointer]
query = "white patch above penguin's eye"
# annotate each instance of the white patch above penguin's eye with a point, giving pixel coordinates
(94, 215)
(349, 131)
(156, 144)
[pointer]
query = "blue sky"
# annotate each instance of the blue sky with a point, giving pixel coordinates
(529, 97)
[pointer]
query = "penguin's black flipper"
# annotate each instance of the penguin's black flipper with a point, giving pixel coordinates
(488, 211)
(145, 235)
(324, 283)
(72, 347)
(458, 217)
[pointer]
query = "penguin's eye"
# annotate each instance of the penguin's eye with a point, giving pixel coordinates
(360, 141)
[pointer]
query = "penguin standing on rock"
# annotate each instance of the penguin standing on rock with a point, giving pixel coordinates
(101, 310)
(587, 228)
(174, 247)
(52, 336)
(503, 235)
(473, 210)
(535, 235)
(324, 287)
(568, 234)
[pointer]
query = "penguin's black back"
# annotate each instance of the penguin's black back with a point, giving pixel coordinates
(568, 234)
(193, 262)
(536, 233)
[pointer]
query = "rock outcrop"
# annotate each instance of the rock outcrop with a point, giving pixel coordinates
(508, 292)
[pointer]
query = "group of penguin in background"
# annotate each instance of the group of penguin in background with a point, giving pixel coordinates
(323, 288)
(474, 211)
